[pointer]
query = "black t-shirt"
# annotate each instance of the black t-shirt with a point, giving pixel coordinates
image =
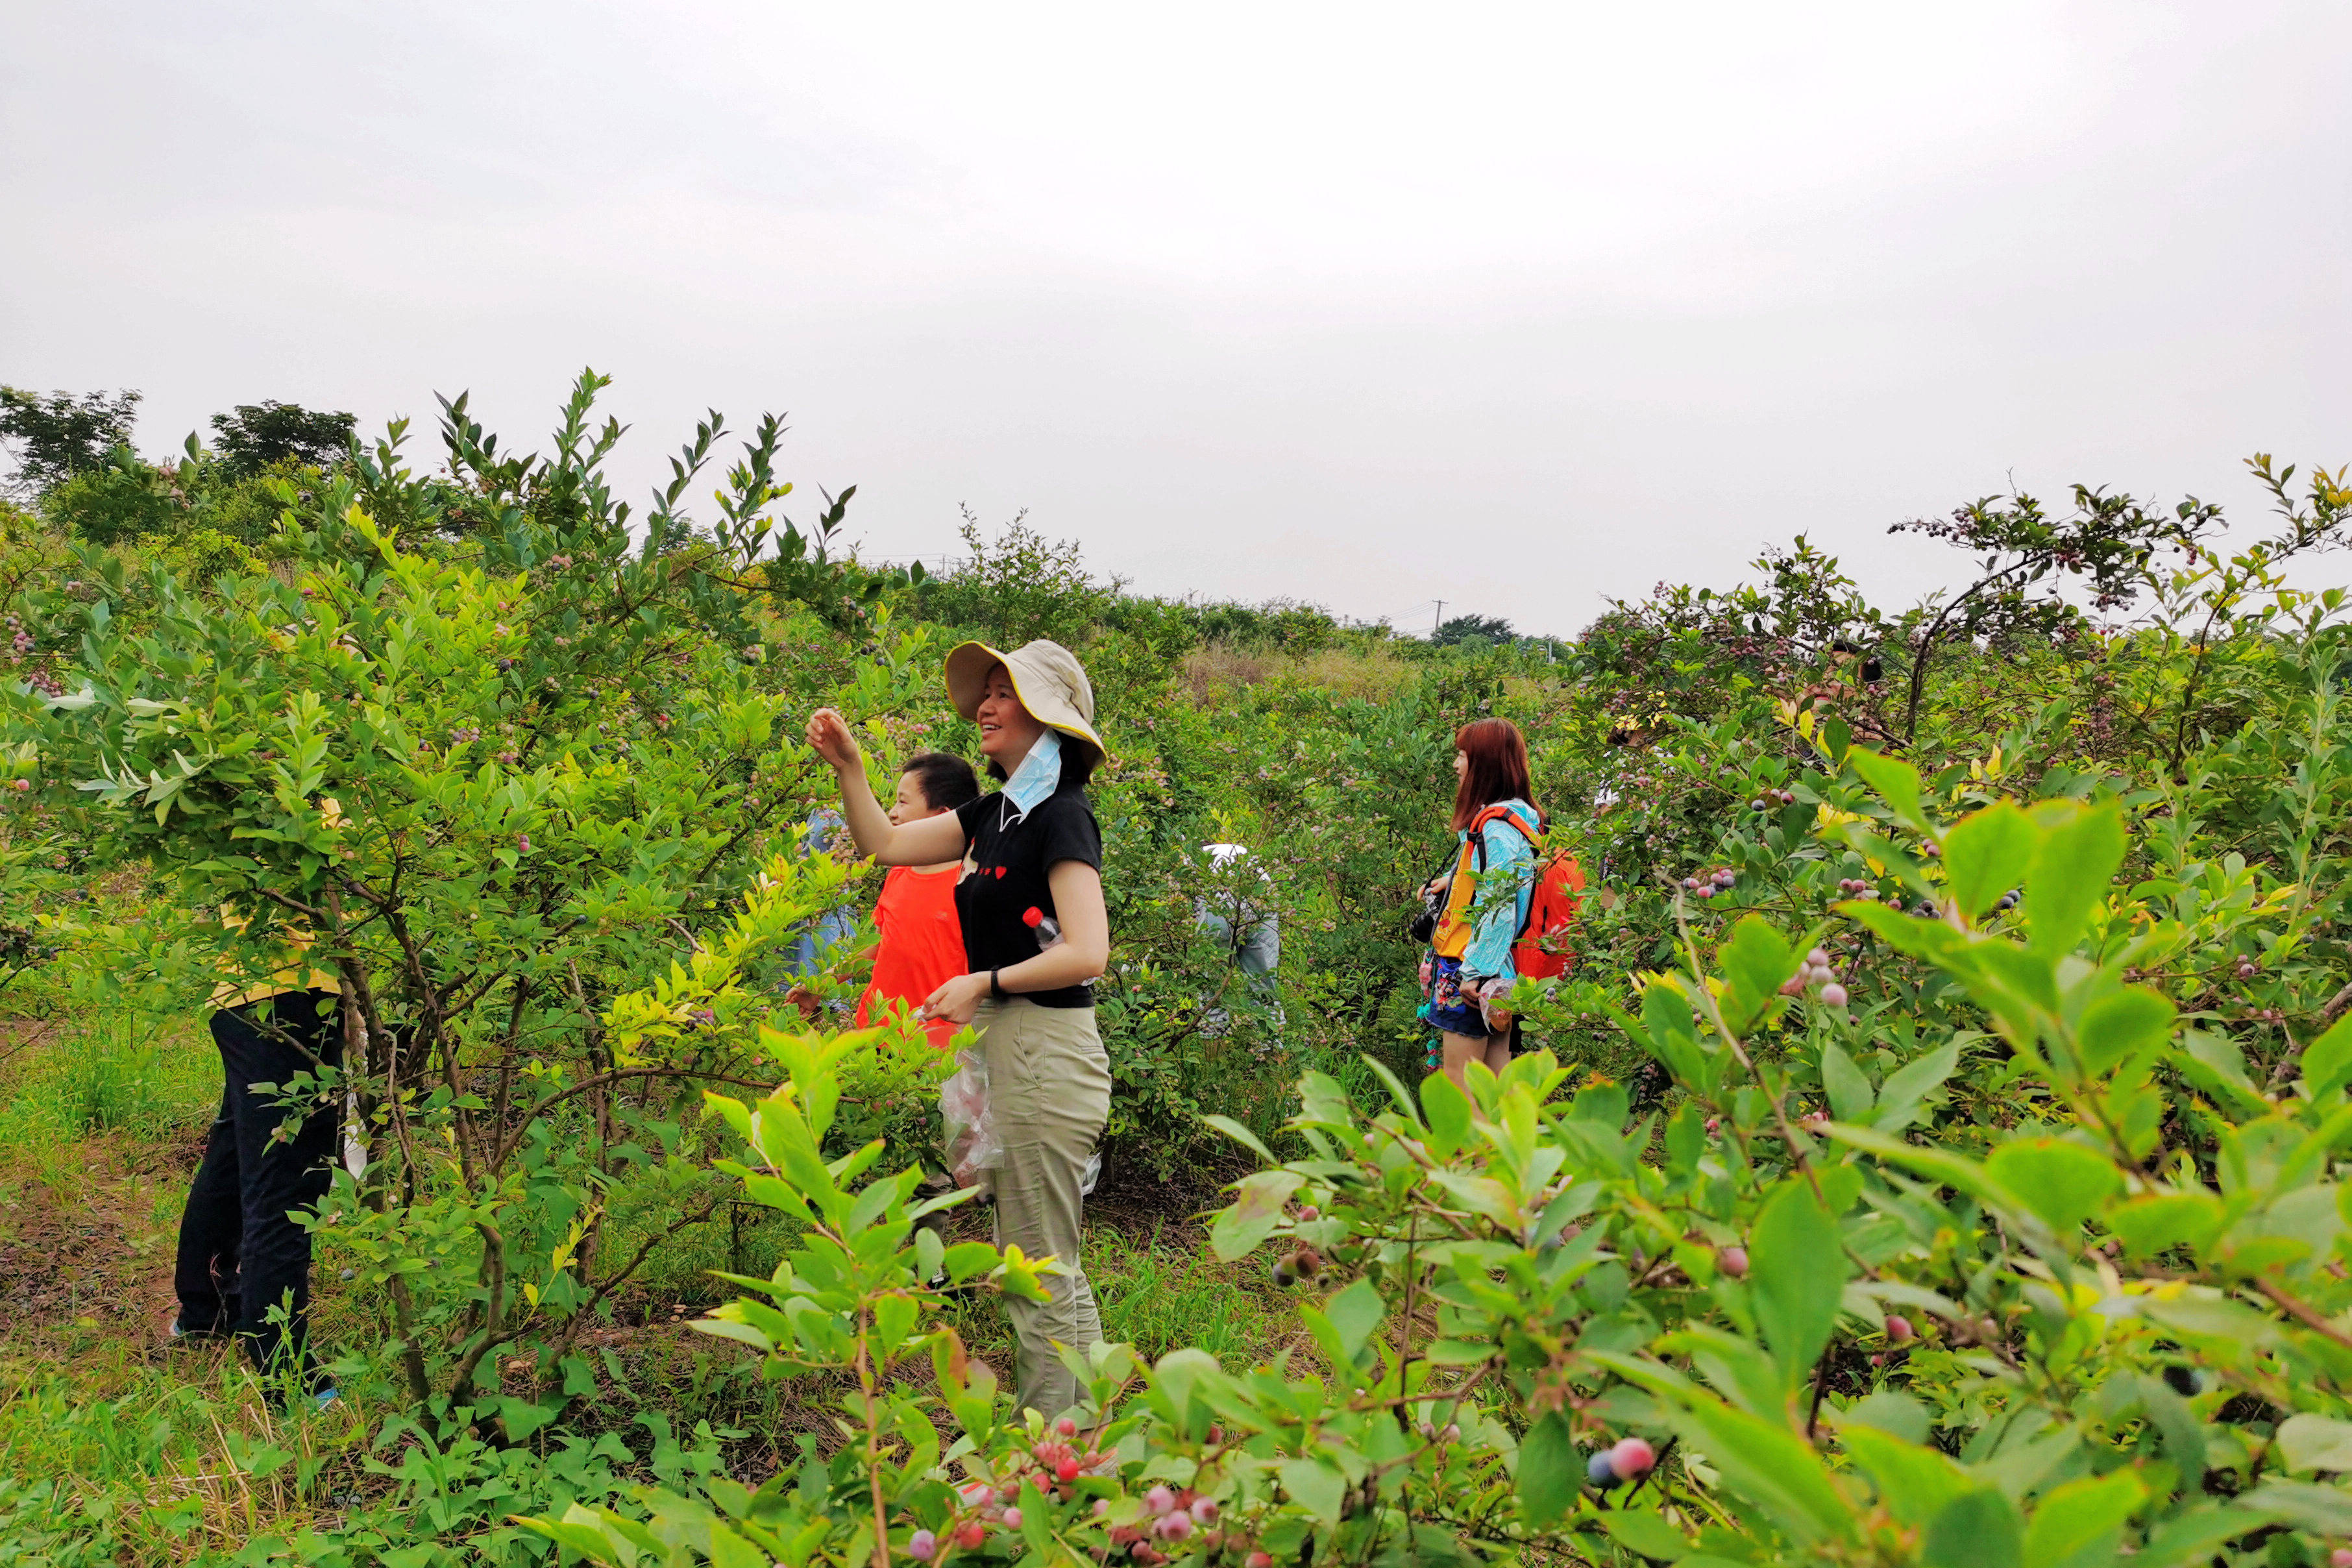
(1005, 878)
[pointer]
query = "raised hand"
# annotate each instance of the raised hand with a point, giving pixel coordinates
(828, 733)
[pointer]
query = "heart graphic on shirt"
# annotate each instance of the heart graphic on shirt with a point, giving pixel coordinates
(1000, 873)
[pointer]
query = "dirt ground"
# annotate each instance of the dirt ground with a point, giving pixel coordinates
(89, 1257)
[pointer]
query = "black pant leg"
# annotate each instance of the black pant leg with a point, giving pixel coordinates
(211, 1227)
(277, 1177)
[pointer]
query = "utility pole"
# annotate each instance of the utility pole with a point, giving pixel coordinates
(1436, 625)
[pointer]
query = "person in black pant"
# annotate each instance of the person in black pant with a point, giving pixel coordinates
(241, 1253)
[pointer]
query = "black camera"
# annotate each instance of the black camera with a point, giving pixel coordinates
(1423, 924)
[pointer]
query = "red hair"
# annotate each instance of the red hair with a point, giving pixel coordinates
(1497, 770)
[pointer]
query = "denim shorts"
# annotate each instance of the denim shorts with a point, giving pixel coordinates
(1450, 1007)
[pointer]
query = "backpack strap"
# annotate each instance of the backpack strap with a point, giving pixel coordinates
(1499, 814)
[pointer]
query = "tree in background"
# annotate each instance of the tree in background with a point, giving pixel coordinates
(59, 436)
(1461, 629)
(254, 435)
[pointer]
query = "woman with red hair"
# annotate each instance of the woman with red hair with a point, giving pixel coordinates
(1469, 971)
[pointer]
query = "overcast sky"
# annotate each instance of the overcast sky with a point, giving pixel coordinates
(1514, 306)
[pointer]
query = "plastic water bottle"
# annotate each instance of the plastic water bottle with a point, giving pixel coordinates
(1048, 931)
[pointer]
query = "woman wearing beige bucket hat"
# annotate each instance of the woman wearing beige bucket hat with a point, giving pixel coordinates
(1034, 936)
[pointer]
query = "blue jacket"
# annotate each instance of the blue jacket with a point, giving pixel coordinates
(1510, 863)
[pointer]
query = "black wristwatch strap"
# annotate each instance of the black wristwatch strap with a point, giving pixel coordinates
(995, 986)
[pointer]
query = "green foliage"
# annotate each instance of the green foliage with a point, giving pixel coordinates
(2117, 1330)
(1933, 1157)
(1478, 631)
(60, 435)
(255, 438)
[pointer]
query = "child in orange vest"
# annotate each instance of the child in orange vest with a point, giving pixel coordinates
(920, 940)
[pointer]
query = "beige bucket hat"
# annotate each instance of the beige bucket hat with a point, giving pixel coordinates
(1048, 678)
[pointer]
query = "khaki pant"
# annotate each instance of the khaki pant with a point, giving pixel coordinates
(1049, 1092)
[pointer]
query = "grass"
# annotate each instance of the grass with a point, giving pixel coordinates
(1162, 1291)
(113, 1451)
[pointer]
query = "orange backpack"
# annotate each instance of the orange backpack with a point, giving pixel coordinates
(1541, 951)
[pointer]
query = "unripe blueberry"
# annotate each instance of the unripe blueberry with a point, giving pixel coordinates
(1898, 1328)
(1204, 1508)
(1011, 1519)
(1068, 1470)
(1309, 1213)
(1175, 1526)
(1756, 806)
(1712, 1123)
(1834, 995)
(1819, 958)
(1601, 1473)
(922, 1545)
(1732, 1260)
(1066, 1427)
(1632, 1457)
(970, 1536)
(2340, 1558)
(1160, 1500)
(1258, 1560)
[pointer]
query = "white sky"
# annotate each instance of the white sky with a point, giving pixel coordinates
(1516, 307)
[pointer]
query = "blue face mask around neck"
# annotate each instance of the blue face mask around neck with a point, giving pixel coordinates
(1039, 774)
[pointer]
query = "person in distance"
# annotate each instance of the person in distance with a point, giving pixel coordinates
(1036, 934)
(1469, 968)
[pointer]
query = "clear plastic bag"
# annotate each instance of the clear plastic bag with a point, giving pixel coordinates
(969, 1130)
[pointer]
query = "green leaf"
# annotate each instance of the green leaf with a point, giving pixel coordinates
(2323, 1511)
(1849, 1093)
(2191, 1539)
(2077, 860)
(728, 1549)
(2116, 1027)
(1899, 1096)
(1253, 1215)
(1772, 1468)
(2315, 1443)
(2184, 1434)
(930, 1250)
(1976, 1530)
(1986, 854)
(2327, 1061)
(1896, 1414)
(2150, 1225)
(2079, 1513)
(966, 1259)
(1448, 1111)
(1241, 1135)
(1756, 962)
(1647, 1534)
(2064, 1182)
(1915, 1482)
(1551, 1471)
(1797, 1275)
(1897, 783)
(1316, 1487)
(1356, 1312)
